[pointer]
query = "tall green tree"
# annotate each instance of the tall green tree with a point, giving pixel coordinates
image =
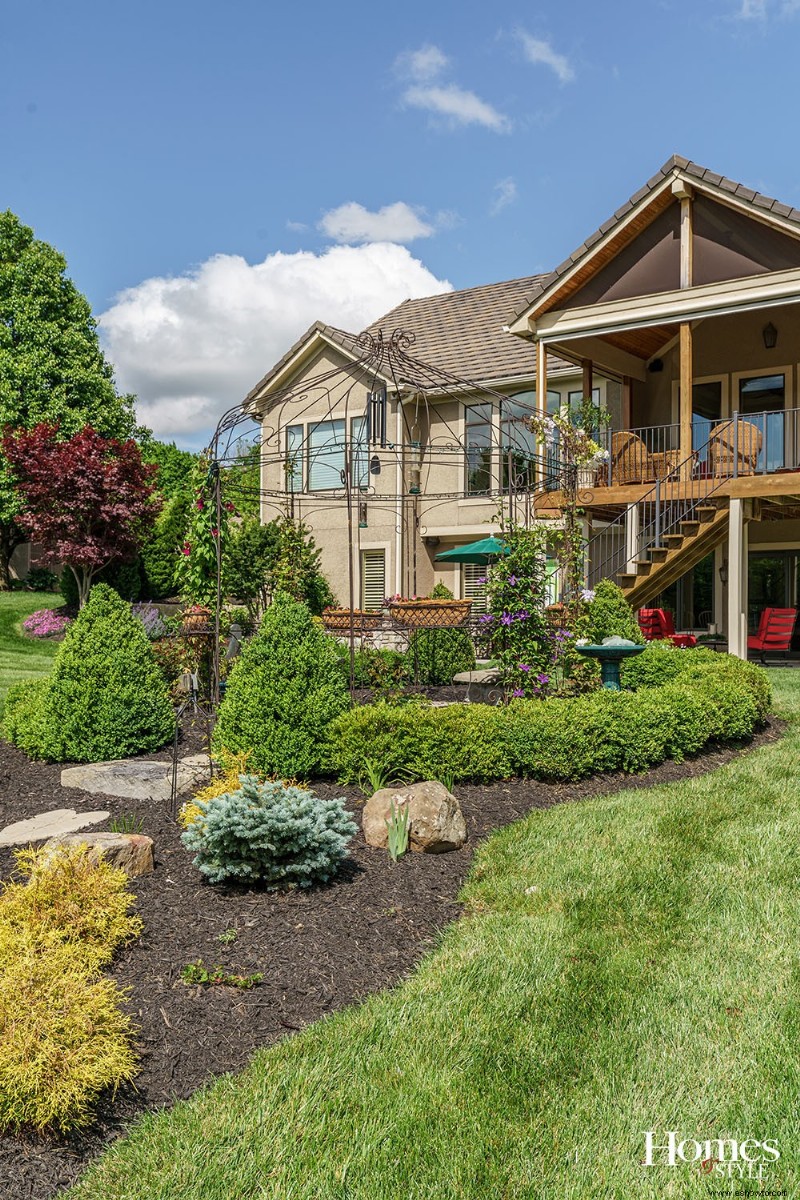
(51, 366)
(175, 466)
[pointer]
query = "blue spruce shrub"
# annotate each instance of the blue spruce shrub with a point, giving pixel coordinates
(284, 690)
(271, 833)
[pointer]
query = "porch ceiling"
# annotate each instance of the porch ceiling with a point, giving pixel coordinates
(642, 343)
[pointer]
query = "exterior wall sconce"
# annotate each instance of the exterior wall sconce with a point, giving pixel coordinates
(362, 514)
(770, 336)
(415, 462)
(723, 572)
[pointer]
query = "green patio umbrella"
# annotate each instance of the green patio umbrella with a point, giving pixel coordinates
(475, 552)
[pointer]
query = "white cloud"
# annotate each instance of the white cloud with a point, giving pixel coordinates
(457, 106)
(352, 223)
(422, 65)
(753, 10)
(424, 69)
(540, 52)
(192, 346)
(505, 193)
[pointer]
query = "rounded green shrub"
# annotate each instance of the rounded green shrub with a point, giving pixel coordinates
(271, 833)
(105, 697)
(705, 697)
(23, 717)
(610, 615)
(283, 691)
(436, 655)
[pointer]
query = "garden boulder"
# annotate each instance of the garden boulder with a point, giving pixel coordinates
(436, 822)
(129, 852)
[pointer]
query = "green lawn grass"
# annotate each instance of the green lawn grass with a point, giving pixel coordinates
(625, 964)
(22, 657)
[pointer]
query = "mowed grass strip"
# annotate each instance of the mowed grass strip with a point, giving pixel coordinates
(625, 964)
(22, 657)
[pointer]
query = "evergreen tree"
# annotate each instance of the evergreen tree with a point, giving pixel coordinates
(51, 366)
(161, 553)
(105, 697)
(284, 690)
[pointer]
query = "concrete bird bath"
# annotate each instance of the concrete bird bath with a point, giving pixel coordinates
(610, 654)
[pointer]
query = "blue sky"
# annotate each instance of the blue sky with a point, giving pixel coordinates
(220, 175)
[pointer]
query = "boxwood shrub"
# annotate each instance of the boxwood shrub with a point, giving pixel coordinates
(704, 697)
(285, 688)
(105, 698)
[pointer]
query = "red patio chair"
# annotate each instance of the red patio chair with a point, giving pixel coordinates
(657, 625)
(775, 629)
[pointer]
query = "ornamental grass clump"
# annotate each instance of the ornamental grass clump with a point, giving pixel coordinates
(285, 688)
(271, 833)
(106, 697)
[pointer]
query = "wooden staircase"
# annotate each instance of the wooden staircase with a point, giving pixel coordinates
(662, 565)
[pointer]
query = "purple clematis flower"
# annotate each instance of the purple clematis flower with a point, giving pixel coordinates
(517, 692)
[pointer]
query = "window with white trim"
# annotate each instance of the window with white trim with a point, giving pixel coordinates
(326, 451)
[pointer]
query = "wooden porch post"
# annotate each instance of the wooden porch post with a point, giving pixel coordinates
(686, 398)
(684, 194)
(587, 369)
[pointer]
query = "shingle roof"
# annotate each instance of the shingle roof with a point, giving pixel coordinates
(462, 332)
(674, 165)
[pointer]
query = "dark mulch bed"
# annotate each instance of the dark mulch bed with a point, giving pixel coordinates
(318, 951)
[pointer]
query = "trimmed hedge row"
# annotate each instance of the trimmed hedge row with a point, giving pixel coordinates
(685, 700)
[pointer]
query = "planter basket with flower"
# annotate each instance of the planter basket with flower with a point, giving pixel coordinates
(337, 620)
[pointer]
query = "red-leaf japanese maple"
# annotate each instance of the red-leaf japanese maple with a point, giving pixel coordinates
(87, 500)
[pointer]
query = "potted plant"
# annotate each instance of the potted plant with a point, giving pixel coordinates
(337, 620)
(196, 618)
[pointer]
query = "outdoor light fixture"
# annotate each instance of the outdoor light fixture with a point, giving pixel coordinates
(415, 461)
(770, 336)
(723, 572)
(362, 514)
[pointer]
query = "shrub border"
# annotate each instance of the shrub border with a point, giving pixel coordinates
(685, 700)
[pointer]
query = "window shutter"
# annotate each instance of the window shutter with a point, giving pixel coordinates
(373, 579)
(471, 589)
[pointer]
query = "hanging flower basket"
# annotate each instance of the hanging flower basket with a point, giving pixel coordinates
(337, 620)
(431, 613)
(196, 619)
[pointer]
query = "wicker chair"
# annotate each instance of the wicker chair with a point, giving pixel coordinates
(734, 447)
(632, 462)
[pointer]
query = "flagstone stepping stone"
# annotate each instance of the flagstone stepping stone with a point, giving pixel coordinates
(136, 778)
(47, 825)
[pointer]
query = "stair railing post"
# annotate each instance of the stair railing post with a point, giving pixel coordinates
(657, 541)
(736, 444)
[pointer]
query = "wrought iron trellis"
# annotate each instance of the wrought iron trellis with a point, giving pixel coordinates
(426, 438)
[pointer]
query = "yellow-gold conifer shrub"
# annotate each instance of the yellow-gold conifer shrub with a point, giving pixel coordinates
(64, 1038)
